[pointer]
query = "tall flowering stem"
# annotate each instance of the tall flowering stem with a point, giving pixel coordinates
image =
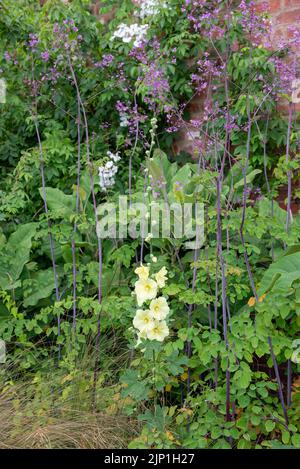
(51, 242)
(77, 212)
(287, 227)
(42, 171)
(100, 260)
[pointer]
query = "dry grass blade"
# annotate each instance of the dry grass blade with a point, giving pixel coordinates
(25, 425)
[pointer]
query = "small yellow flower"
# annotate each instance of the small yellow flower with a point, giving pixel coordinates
(168, 387)
(143, 321)
(251, 301)
(159, 308)
(184, 376)
(261, 299)
(145, 290)
(142, 272)
(159, 331)
(161, 277)
(153, 258)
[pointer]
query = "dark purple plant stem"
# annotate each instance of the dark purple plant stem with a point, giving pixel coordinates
(190, 315)
(267, 179)
(289, 384)
(245, 169)
(216, 319)
(77, 212)
(287, 227)
(247, 260)
(207, 271)
(220, 256)
(99, 244)
(278, 381)
(289, 173)
(52, 252)
(223, 291)
(142, 227)
(42, 171)
(133, 152)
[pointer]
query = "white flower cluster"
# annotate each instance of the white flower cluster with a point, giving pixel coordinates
(124, 121)
(108, 171)
(133, 32)
(151, 323)
(151, 7)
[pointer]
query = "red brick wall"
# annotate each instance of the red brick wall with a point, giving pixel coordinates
(285, 13)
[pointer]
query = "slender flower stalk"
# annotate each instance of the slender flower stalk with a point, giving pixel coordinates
(42, 171)
(280, 392)
(287, 228)
(74, 269)
(219, 183)
(100, 260)
(267, 179)
(289, 172)
(245, 169)
(51, 242)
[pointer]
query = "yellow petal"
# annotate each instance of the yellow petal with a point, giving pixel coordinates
(251, 301)
(261, 299)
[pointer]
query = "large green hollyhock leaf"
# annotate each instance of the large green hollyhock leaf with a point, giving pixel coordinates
(281, 275)
(15, 254)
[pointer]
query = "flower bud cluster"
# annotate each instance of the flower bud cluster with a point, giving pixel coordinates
(151, 8)
(108, 171)
(134, 32)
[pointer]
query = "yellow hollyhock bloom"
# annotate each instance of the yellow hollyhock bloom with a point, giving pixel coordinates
(143, 321)
(159, 308)
(159, 331)
(161, 277)
(145, 290)
(142, 272)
